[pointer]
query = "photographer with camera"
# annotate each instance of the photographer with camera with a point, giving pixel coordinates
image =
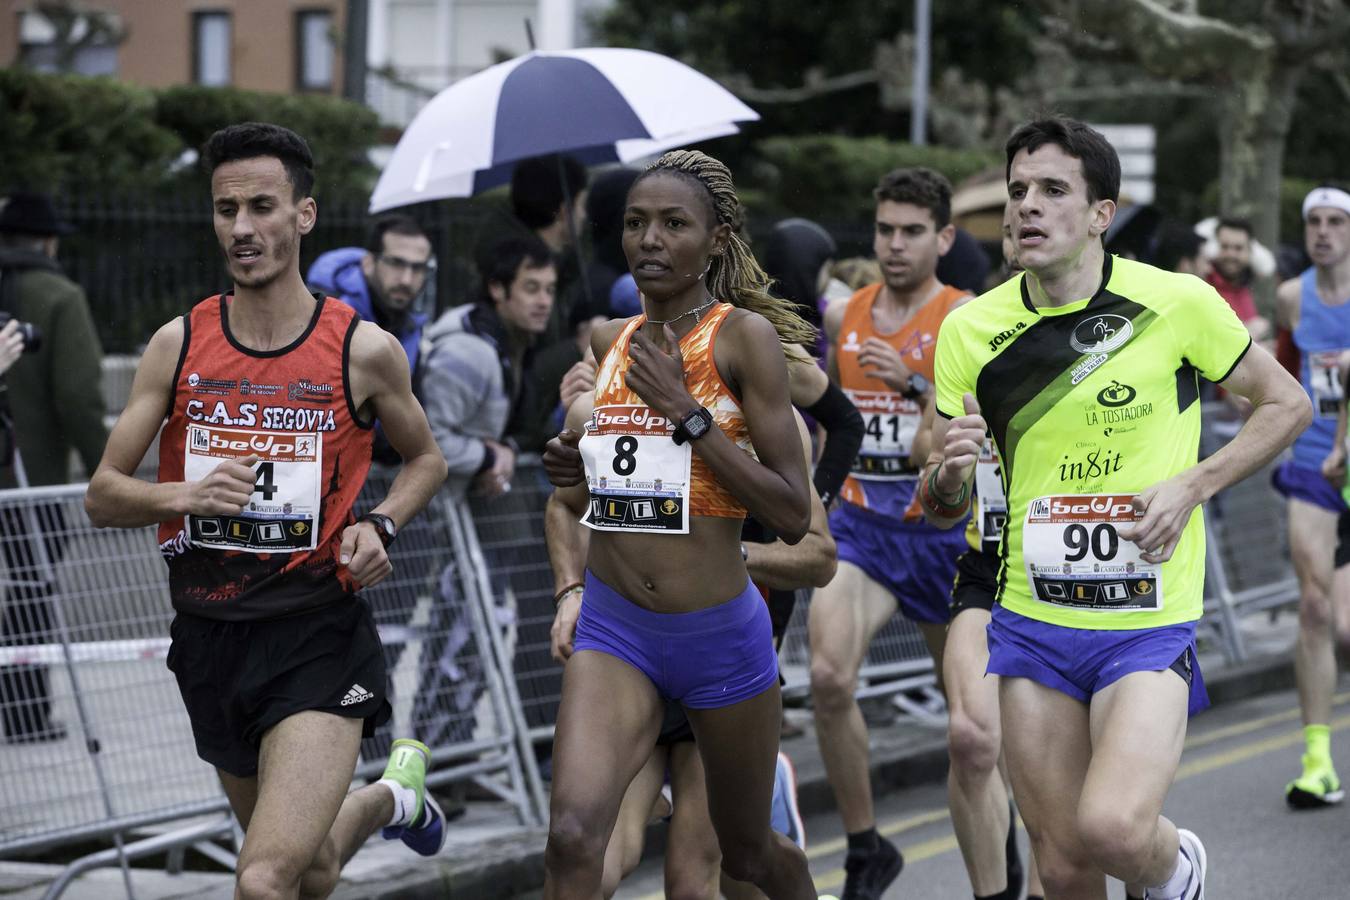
(51, 400)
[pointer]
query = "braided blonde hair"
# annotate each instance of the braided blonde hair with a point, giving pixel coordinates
(734, 275)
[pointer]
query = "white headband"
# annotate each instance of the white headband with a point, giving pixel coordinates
(1326, 196)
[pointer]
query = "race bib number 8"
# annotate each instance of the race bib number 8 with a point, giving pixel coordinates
(1324, 368)
(1074, 555)
(282, 513)
(637, 482)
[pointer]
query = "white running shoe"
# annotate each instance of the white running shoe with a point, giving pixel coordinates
(1194, 851)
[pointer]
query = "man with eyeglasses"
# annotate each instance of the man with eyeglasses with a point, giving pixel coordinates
(383, 279)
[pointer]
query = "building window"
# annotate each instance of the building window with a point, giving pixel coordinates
(211, 45)
(314, 50)
(80, 42)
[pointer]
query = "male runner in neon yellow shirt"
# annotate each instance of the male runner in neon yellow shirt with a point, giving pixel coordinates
(1085, 372)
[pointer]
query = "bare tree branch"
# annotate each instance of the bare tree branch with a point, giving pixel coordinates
(1175, 42)
(816, 85)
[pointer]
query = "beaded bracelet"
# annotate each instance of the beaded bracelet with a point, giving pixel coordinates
(574, 586)
(940, 507)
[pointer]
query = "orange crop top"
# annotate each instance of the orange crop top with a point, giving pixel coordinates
(620, 411)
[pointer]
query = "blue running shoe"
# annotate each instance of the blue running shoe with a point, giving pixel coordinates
(784, 815)
(426, 832)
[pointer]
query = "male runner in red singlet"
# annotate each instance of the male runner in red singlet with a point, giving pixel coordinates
(270, 395)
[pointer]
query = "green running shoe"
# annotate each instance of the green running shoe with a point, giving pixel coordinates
(426, 832)
(1316, 788)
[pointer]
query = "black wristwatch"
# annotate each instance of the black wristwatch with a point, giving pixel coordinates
(384, 526)
(915, 387)
(693, 426)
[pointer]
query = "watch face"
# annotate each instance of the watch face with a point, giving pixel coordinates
(696, 425)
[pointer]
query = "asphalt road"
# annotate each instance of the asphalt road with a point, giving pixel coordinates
(1229, 790)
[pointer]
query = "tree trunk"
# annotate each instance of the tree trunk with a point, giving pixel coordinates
(1254, 124)
(1252, 131)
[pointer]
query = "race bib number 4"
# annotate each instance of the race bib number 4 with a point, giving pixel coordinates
(1075, 557)
(282, 514)
(1324, 368)
(992, 504)
(637, 476)
(890, 423)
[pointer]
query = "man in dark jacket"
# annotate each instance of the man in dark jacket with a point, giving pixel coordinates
(51, 401)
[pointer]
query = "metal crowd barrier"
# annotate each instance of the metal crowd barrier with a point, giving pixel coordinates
(86, 623)
(444, 658)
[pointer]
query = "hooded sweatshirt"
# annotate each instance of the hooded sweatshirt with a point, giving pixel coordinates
(466, 387)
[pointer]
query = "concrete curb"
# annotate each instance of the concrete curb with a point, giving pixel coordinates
(512, 867)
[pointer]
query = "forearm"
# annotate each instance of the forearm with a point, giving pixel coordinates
(1338, 444)
(413, 487)
(843, 437)
(567, 541)
(115, 500)
(810, 563)
(1266, 432)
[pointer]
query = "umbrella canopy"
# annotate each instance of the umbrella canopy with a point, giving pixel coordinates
(599, 104)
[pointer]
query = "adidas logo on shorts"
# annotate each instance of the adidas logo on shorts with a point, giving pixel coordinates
(357, 694)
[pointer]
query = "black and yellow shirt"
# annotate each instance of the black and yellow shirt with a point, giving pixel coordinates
(1089, 404)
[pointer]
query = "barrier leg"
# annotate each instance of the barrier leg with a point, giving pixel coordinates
(1235, 647)
(477, 587)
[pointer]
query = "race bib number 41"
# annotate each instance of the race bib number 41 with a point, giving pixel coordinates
(1075, 556)
(890, 423)
(282, 513)
(637, 476)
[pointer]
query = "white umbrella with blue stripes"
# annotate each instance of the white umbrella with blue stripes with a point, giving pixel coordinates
(600, 104)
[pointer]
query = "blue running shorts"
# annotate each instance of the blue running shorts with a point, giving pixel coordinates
(1082, 661)
(706, 659)
(1308, 485)
(913, 560)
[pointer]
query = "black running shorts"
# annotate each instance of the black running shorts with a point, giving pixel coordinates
(1343, 540)
(238, 679)
(675, 728)
(976, 581)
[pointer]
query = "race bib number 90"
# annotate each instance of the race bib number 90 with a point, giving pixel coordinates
(890, 423)
(282, 513)
(1074, 555)
(637, 476)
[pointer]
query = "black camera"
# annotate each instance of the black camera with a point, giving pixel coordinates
(32, 335)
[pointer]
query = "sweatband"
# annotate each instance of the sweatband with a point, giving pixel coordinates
(843, 426)
(1326, 196)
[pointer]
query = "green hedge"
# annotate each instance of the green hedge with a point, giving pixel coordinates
(73, 133)
(59, 130)
(832, 176)
(338, 131)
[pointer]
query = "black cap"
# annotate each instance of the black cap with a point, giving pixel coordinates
(29, 212)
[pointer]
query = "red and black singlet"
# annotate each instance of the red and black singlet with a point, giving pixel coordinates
(291, 407)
